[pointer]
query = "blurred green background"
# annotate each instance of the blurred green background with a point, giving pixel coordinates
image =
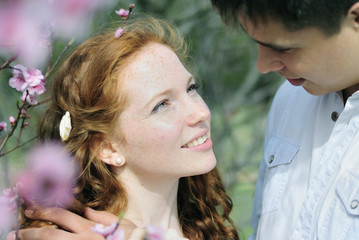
(224, 62)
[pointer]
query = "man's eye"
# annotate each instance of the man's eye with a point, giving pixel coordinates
(192, 87)
(160, 105)
(284, 50)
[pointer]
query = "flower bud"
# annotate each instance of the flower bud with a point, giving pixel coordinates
(12, 120)
(3, 126)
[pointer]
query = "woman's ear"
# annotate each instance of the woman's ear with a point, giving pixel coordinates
(110, 154)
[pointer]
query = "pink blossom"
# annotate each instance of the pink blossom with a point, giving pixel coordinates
(8, 207)
(105, 230)
(12, 120)
(31, 99)
(109, 232)
(20, 32)
(75, 6)
(119, 234)
(119, 32)
(33, 77)
(7, 218)
(26, 124)
(71, 18)
(30, 81)
(154, 233)
(38, 89)
(18, 81)
(23, 96)
(27, 27)
(123, 13)
(26, 78)
(50, 177)
(10, 196)
(3, 126)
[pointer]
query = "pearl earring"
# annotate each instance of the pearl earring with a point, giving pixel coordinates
(119, 161)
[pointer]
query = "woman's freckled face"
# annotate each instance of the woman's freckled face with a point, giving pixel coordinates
(164, 114)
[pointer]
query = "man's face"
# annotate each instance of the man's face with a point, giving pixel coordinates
(307, 57)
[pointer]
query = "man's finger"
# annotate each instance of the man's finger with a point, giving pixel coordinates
(103, 217)
(41, 234)
(61, 217)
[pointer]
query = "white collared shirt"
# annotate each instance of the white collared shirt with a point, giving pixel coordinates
(308, 182)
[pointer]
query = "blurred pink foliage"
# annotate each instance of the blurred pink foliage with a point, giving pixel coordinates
(154, 233)
(50, 177)
(27, 27)
(8, 208)
(109, 232)
(48, 181)
(3, 126)
(27, 32)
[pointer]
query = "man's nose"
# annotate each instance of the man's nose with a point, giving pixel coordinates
(268, 60)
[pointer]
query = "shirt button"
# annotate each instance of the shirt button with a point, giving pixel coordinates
(354, 204)
(271, 158)
(335, 116)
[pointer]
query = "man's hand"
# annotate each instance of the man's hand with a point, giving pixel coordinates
(77, 227)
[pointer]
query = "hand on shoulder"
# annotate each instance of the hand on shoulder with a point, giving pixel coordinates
(74, 227)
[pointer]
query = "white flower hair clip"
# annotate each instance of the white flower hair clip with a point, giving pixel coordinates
(125, 14)
(65, 126)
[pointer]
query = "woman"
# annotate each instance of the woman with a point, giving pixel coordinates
(141, 133)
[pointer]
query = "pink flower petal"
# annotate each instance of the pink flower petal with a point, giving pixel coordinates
(27, 78)
(119, 32)
(33, 76)
(50, 177)
(119, 234)
(12, 119)
(8, 206)
(37, 90)
(154, 233)
(105, 230)
(3, 126)
(123, 13)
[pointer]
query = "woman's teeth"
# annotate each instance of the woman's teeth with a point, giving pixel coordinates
(197, 141)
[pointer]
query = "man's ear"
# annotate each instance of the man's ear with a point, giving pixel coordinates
(354, 13)
(110, 154)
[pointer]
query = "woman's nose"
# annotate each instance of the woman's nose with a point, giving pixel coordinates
(268, 60)
(198, 111)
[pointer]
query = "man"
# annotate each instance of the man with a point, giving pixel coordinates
(308, 182)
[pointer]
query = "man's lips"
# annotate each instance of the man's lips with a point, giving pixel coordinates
(293, 81)
(296, 81)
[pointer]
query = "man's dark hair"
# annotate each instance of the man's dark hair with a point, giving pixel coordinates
(326, 15)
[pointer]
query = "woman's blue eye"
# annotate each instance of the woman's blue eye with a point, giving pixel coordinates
(165, 102)
(192, 87)
(160, 105)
